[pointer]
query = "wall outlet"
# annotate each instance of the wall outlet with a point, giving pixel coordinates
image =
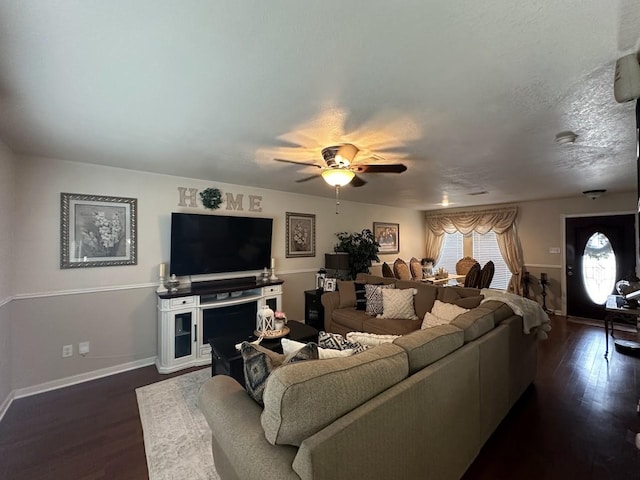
(83, 348)
(67, 351)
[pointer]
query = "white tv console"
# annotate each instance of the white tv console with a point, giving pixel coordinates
(188, 315)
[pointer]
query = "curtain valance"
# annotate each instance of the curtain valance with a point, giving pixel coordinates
(482, 221)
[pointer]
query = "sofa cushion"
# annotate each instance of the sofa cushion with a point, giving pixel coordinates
(370, 339)
(424, 347)
(303, 398)
(474, 323)
(426, 296)
(260, 362)
(367, 278)
(398, 303)
(401, 269)
(350, 318)
(500, 310)
(374, 298)
(384, 326)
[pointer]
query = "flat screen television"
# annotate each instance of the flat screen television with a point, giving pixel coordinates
(206, 244)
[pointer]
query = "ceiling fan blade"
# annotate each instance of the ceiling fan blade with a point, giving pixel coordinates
(357, 181)
(297, 163)
(379, 168)
(306, 179)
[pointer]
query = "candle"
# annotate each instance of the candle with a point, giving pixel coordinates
(162, 270)
(273, 263)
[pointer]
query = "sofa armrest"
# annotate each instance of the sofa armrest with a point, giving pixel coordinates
(330, 302)
(234, 419)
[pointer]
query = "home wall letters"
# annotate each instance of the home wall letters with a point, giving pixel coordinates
(188, 197)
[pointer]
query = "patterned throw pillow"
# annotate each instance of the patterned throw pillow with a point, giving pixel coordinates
(373, 294)
(259, 362)
(398, 304)
(430, 320)
(291, 347)
(447, 311)
(336, 341)
(361, 299)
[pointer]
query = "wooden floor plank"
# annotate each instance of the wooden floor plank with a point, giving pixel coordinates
(578, 421)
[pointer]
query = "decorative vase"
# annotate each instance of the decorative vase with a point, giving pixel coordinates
(265, 319)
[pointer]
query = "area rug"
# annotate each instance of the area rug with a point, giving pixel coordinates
(177, 439)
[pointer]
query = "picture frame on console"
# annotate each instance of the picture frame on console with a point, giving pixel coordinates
(329, 284)
(97, 231)
(388, 236)
(301, 235)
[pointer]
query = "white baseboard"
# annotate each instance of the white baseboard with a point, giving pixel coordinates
(72, 380)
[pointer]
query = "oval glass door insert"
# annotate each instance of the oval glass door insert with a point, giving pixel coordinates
(598, 268)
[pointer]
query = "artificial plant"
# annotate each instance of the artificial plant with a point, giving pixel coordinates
(362, 249)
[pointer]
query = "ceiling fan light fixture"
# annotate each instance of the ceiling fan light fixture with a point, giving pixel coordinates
(567, 137)
(337, 177)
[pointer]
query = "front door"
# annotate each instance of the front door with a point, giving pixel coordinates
(599, 252)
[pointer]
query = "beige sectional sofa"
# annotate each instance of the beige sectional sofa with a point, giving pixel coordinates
(420, 407)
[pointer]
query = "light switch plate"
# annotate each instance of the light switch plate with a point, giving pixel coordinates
(554, 249)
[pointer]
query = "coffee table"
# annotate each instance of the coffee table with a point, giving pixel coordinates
(227, 360)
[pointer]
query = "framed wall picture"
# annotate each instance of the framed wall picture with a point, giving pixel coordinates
(329, 284)
(97, 231)
(301, 235)
(388, 236)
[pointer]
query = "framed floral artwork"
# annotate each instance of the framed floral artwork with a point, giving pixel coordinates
(301, 235)
(97, 231)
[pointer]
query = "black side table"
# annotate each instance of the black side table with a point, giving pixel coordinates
(227, 360)
(313, 309)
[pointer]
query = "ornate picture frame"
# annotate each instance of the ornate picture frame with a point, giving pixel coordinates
(97, 231)
(301, 235)
(388, 236)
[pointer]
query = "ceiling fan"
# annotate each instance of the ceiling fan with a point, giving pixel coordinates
(342, 166)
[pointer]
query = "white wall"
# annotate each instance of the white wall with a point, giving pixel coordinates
(56, 307)
(7, 194)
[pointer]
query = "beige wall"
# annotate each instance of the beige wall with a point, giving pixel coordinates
(540, 227)
(7, 194)
(54, 307)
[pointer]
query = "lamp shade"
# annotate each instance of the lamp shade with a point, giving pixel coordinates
(336, 261)
(337, 177)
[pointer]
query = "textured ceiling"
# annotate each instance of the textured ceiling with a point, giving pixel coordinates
(469, 95)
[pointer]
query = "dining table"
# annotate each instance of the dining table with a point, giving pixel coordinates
(445, 280)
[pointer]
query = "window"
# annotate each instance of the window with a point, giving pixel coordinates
(485, 248)
(451, 252)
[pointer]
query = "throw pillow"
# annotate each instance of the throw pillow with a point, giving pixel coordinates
(259, 362)
(370, 339)
(336, 341)
(361, 299)
(291, 347)
(347, 291)
(373, 293)
(401, 269)
(447, 311)
(430, 320)
(398, 304)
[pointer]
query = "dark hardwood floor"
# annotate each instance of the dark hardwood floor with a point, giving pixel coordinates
(578, 421)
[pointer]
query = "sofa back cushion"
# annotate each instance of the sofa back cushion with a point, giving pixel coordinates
(424, 347)
(474, 323)
(500, 310)
(461, 296)
(303, 398)
(423, 300)
(374, 279)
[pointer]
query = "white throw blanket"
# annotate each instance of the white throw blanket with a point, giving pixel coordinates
(534, 318)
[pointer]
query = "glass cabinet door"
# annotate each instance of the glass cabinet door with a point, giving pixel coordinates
(183, 334)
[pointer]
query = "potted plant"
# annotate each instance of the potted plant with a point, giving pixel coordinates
(362, 249)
